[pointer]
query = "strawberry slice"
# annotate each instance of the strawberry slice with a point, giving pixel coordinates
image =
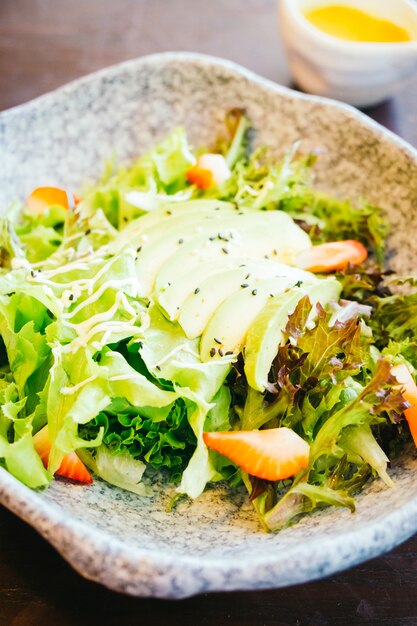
(330, 257)
(211, 170)
(71, 467)
(273, 454)
(200, 177)
(42, 198)
(409, 391)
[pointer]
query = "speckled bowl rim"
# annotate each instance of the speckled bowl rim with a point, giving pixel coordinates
(369, 540)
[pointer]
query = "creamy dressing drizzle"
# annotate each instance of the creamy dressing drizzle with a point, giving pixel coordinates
(71, 390)
(100, 317)
(110, 284)
(132, 376)
(182, 347)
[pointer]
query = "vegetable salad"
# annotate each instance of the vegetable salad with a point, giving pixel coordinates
(208, 314)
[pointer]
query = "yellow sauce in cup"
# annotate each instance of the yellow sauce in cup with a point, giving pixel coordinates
(355, 25)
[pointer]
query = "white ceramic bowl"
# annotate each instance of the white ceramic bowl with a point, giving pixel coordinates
(358, 73)
(130, 543)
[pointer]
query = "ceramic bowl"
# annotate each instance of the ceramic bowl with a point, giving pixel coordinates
(358, 73)
(131, 543)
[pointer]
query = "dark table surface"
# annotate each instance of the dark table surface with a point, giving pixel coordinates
(43, 44)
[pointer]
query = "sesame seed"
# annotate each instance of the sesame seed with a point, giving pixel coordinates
(88, 231)
(221, 352)
(271, 295)
(228, 353)
(212, 238)
(181, 240)
(217, 340)
(71, 296)
(247, 276)
(196, 290)
(266, 256)
(33, 274)
(125, 219)
(168, 212)
(139, 248)
(212, 352)
(158, 368)
(244, 285)
(254, 292)
(225, 250)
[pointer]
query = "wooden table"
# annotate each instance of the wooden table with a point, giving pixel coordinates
(43, 44)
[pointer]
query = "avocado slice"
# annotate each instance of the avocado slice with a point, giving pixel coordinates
(210, 293)
(185, 219)
(227, 329)
(168, 212)
(265, 334)
(160, 242)
(273, 235)
(175, 209)
(227, 229)
(171, 299)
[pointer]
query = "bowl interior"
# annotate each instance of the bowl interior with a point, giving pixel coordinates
(216, 542)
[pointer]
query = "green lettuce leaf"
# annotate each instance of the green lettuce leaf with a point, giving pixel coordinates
(16, 445)
(395, 318)
(168, 354)
(121, 469)
(80, 388)
(158, 437)
(24, 339)
(10, 246)
(361, 443)
(239, 127)
(41, 234)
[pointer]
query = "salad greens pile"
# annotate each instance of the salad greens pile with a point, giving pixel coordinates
(96, 339)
